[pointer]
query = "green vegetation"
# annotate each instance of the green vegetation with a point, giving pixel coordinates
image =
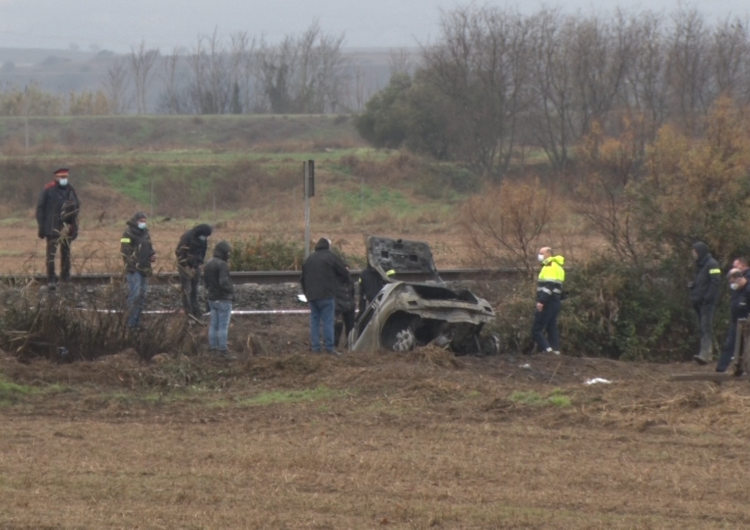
(531, 398)
(319, 393)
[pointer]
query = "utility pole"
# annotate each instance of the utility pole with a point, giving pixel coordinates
(308, 173)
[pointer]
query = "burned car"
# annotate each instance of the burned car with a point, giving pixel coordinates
(405, 315)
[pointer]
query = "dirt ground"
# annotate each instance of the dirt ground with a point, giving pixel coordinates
(289, 439)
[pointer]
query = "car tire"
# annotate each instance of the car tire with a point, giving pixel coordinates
(405, 341)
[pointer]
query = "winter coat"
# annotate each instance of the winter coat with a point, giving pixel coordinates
(216, 274)
(705, 287)
(57, 205)
(739, 303)
(345, 297)
(549, 285)
(370, 284)
(191, 250)
(135, 247)
(322, 272)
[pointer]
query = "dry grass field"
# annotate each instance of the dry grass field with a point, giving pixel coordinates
(294, 440)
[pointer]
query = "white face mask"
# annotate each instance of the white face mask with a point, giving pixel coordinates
(202, 238)
(541, 258)
(142, 225)
(734, 286)
(63, 182)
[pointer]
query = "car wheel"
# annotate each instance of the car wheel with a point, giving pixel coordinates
(492, 345)
(405, 340)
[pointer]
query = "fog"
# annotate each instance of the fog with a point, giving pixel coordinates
(116, 25)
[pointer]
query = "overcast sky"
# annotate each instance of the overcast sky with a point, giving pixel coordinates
(118, 25)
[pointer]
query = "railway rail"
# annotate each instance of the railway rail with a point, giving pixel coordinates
(277, 277)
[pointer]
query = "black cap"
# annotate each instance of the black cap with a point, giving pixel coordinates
(62, 172)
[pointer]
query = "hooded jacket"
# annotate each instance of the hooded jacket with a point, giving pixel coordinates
(705, 289)
(136, 248)
(322, 272)
(345, 297)
(191, 250)
(370, 284)
(551, 278)
(216, 277)
(56, 205)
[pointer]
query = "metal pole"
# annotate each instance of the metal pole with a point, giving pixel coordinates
(307, 209)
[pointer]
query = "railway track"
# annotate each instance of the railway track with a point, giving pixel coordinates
(277, 277)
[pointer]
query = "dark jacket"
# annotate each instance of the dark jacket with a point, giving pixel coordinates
(57, 205)
(322, 272)
(136, 248)
(191, 250)
(739, 303)
(216, 274)
(345, 297)
(370, 284)
(705, 288)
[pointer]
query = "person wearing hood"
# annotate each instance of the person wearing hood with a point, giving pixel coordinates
(739, 306)
(322, 274)
(704, 293)
(138, 255)
(220, 293)
(548, 301)
(191, 253)
(56, 218)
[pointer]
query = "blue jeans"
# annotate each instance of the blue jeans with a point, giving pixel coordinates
(728, 352)
(322, 311)
(137, 289)
(218, 330)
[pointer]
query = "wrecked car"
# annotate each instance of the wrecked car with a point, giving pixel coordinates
(405, 315)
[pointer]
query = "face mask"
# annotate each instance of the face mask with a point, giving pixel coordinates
(541, 258)
(63, 182)
(202, 238)
(142, 225)
(734, 286)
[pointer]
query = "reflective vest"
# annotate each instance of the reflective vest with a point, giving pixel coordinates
(551, 278)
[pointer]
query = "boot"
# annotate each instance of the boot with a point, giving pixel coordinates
(225, 355)
(703, 358)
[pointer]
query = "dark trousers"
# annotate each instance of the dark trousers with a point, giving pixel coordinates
(728, 351)
(344, 321)
(705, 314)
(546, 321)
(189, 289)
(52, 244)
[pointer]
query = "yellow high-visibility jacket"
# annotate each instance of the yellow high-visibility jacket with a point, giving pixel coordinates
(551, 278)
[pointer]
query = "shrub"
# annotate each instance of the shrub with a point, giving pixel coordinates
(267, 254)
(46, 326)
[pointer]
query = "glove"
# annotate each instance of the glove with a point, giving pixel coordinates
(41, 233)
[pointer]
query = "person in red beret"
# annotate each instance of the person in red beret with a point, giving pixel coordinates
(56, 218)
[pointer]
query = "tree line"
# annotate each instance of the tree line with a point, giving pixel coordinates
(307, 73)
(498, 87)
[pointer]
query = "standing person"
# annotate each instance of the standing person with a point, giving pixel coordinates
(191, 252)
(220, 292)
(741, 264)
(548, 301)
(345, 310)
(138, 254)
(370, 284)
(56, 217)
(739, 306)
(704, 292)
(321, 275)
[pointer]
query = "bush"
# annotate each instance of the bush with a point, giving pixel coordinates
(264, 254)
(613, 310)
(45, 326)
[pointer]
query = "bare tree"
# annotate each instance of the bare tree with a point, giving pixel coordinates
(116, 85)
(141, 65)
(730, 60)
(481, 67)
(172, 99)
